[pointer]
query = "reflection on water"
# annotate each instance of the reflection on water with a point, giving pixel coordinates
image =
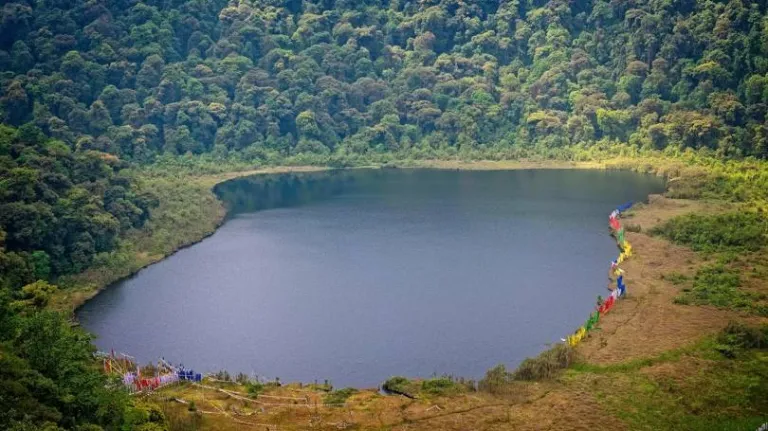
(261, 192)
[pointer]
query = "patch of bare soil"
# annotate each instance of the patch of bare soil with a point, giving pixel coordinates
(568, 408)
(647, 322)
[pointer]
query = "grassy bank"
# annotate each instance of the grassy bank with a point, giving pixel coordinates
(187, 212)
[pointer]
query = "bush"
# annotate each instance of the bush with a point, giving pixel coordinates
(496, 380)
(736, 230)
(547, 365)
(719, 285)
(401, 386)
(440, 386)
(339, 397)
(739, 335)
(254, 388)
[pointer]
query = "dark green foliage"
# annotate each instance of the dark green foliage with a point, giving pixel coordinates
(59, 208)
(716, 285)
(736, 230)
(720, 286)
(545, 366)
(424, 78)
(496, 380)
(48, 376)
(738, 335)
(91, 85)
(435, 386)
(629, 227)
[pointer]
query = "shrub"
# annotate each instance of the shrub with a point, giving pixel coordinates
(736, 230)
(401, 386)
(254, 388)
(242, 378)
(440, 386)
(719, 285)
(496, 380)
(547, 365)
(739, 335)
(339, 396)
(716, 285)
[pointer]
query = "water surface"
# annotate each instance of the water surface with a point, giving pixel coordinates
(358, 276)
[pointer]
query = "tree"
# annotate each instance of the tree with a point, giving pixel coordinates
(37, 294)
(99, 119)
(15, 103)
(151, 72)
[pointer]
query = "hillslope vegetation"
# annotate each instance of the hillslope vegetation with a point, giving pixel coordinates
(265, 78)
(111, 112)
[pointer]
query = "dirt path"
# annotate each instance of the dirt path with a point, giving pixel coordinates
(648, 322)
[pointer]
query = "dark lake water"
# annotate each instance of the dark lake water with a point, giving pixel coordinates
(357, 276)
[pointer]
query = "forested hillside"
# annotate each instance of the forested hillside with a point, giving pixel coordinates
(59, 208)
(136, 79)
(90, 88)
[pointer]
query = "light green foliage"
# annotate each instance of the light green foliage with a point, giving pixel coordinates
(675, 278)
(401, 385)
(38, 293)
(254, 388)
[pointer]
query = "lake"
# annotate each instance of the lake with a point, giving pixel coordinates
(357, 276)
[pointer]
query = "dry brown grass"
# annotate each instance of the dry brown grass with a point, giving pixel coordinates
(647, 322)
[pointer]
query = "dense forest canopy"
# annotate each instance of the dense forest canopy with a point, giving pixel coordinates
(136, 79)
(89, 87)
(59, 207)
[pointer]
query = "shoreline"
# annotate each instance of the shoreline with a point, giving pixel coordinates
(212, 181)
(81, 291)
(648, 340)
(209, 181)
